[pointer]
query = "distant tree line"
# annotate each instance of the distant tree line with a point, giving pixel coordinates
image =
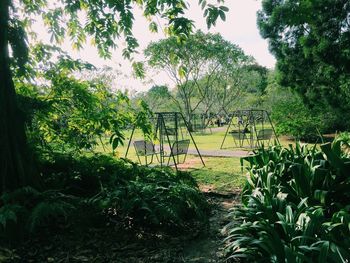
(210, 75)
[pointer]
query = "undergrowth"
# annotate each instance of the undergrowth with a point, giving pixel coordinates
(98, 191)
(295, 206)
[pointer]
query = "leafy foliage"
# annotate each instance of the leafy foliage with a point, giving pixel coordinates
(106, 21)
(158, 98)
(310, 42)
(94, 191)
(202, 68)
(132, 194)
(68, 113)
(292, 117)
(295, 206)
(25, 211)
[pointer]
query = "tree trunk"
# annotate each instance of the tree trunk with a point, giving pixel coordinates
(15, 168)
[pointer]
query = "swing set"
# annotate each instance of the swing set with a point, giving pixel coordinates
(171, 129)
(251, 129)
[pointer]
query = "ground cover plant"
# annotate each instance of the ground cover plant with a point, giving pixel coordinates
(96, 191)
(295, 206)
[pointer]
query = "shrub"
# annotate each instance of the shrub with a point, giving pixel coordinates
(293, 118)
(25, 211)
(295, 206)
(99, 190)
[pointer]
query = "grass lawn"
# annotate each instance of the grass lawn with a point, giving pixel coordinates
(219, 174)
(206, 141)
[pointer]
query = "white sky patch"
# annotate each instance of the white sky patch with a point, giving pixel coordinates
(240, 28)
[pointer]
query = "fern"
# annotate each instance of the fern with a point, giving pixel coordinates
(44, 211)
(32, 208)
(9, 213)
(20, 196)
(166, 202)
(138, 196)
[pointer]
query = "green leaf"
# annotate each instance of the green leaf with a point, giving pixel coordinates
(139, 70)
(224, 8)
(323, 256)
(222, 15)
(153, 27)
(321, 196)
(182, 72)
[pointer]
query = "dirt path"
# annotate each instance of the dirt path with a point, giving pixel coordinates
(209, 248)
(220, 153)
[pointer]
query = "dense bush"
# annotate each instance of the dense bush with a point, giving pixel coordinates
(293, 118)
(102, 190)
(295, 206)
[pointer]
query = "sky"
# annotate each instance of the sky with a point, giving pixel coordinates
(239, 28)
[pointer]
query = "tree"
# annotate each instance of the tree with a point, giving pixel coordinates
(105, 22)
(310, 40)
(194, 67)
(158, 98)
(70, 105)
(13, 152)
(262, 72)
(290, 115)
(235, 83)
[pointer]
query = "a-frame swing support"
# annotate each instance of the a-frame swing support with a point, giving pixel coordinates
(251, 119)
(162, 131)
(194, 142)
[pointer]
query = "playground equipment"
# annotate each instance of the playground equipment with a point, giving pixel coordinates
(146, 149)
(170, 131)
(251, 129)
(201, 123)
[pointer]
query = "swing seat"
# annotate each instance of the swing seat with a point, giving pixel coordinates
(178, 148)
(239, 136)
(145, 148)
(265, 134)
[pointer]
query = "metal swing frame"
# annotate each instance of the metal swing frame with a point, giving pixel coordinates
(247, 130)
(163, 134)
